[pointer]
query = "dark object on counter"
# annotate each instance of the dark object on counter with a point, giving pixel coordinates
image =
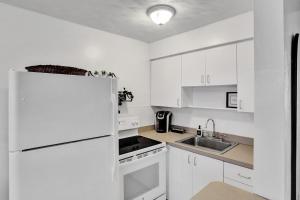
(163, 121)
(199, 131)
(177, 130)
(125, 96)
(57, 69)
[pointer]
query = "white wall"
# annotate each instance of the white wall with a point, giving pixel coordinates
(275, 22)
(292, 26)
(28, 38)
(271, 101)
(229, 30)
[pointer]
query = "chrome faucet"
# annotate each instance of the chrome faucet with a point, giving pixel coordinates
(214, 126)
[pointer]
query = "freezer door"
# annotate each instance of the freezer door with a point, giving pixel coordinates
(47, 109)
(77, 171)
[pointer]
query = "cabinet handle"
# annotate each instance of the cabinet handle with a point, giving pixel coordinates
(195, 161)
(208, 79)
(240, 105)
(189, 159)
(245, 177)
(202, 78)
(178, 101)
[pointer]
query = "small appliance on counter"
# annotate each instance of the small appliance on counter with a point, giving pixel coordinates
(163, 121)
(176, 129)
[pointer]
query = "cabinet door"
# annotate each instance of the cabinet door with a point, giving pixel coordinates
(205, 170)
(221, 65)
(166, 82)
(180, 174)
(245, 69)
(193, 69)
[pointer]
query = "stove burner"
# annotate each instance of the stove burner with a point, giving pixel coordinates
(130, 144)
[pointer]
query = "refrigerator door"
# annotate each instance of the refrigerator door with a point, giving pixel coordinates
(76, 171)
(48, 109)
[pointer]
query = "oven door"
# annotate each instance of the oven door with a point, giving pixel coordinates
(144, 178)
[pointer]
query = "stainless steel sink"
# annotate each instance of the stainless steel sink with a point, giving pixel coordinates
(210, 143)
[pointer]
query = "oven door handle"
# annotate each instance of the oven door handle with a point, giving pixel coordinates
(135, 159)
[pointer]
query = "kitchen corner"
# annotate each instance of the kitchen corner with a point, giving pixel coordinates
(241, 155)
(201, 170)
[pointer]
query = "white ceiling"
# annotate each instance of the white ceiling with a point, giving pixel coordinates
(128, 18)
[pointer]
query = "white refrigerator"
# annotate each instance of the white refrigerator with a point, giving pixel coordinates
(63, 141)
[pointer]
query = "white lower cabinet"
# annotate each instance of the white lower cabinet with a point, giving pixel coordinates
(180, 174)
(190, 172)
(205, 170)
(238, 176)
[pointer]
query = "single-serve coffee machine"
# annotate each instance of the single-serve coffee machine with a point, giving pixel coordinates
(163, 121)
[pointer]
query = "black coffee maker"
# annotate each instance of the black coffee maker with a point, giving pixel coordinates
(163, 121)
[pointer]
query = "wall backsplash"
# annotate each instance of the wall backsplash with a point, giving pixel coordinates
(231, 122)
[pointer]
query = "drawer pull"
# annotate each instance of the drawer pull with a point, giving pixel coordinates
(245, 177)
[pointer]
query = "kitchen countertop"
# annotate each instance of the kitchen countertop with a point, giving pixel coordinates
(223, 191)
(241, 154)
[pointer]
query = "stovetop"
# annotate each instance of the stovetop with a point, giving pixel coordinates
(135, 143)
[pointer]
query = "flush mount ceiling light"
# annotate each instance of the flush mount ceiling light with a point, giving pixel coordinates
(161, 14)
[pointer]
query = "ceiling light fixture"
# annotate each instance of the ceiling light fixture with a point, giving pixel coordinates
(161, 14)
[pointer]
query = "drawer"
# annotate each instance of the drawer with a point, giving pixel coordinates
(239, 174)
(237, 184)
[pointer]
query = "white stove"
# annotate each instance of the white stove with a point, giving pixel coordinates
(142, 163)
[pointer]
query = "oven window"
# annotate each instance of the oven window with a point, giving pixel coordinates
(141, 181)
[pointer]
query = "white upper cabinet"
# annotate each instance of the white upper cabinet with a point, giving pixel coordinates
(166, 82)
(193, 69)
(175, 80)
(221, 65)
(245, 69)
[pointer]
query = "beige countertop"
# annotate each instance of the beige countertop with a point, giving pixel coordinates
(169, 137)
(241, 155)
(223, 191)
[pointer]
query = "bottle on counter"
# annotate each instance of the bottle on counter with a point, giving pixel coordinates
(199, 131)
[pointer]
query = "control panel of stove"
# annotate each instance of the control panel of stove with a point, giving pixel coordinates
(128, 122)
